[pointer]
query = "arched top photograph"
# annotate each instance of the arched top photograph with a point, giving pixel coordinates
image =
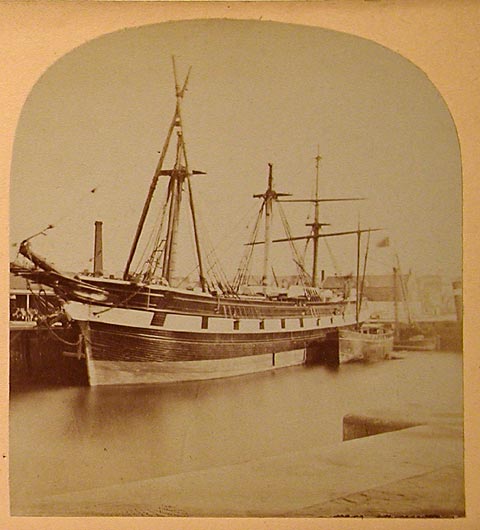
(236, 278)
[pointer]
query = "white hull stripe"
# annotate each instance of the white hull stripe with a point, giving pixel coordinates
(173, 322)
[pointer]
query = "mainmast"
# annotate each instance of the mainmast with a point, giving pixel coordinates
(178, 176)
(268, 197)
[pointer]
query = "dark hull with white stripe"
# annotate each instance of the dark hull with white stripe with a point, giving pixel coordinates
(129, 355)
(115, 343)
(148, 334)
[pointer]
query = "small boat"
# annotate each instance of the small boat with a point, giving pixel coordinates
(145, 328)
(370, 342)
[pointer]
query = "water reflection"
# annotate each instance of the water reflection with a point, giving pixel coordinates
(71, 439)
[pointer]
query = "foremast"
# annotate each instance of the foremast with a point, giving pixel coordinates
(179, 176)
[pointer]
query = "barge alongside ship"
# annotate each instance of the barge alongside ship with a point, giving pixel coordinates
(142, 329)
(369, 343)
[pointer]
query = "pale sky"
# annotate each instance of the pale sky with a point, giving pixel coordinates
(259, 92)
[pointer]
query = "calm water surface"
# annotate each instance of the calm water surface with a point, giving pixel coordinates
(69, 439)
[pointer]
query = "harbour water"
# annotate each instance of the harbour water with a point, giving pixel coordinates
(67, 439)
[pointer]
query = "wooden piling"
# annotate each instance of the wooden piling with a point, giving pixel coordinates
(37, 356)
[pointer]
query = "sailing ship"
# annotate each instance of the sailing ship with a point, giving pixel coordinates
(141, 328)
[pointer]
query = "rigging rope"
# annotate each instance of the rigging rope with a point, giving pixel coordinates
(45, 321)
(145, 267)
(226, 242)
(214, 274)
(72, 211)
(243, 271)
(336, 268)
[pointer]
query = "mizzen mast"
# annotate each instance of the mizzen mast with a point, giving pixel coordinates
(316, 226)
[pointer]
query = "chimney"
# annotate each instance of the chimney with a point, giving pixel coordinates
(98, 250)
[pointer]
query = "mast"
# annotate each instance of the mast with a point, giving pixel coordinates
(362, 286)
(395, 302)
(360, 282)
(268, 197)
(315, 233)
(178, 176)
(357, 285)
(269, 194)
(203, 281)
(98, 250)
(404, 292)
(316, 225)
(202, 278)
(176, 122)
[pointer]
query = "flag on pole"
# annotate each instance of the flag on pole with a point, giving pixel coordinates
(384, 243)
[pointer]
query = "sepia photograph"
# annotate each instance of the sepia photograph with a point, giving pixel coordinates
(236, 278)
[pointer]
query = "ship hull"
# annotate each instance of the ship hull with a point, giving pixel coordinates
(122, 346)
(127, 372)
(355, 346)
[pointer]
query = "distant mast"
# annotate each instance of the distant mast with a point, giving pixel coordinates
(357, 279)
(316, 225)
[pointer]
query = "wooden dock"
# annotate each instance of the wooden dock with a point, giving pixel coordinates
(37, 356)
